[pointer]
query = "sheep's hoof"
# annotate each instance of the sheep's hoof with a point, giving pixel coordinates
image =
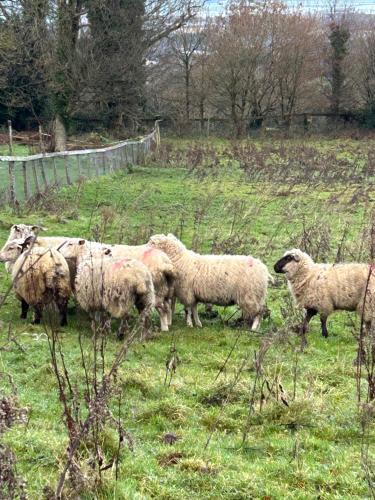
(36, 322)
(23, 316)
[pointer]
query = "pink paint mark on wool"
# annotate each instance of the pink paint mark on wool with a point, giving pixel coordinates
(120, 263)
(149, 252)
(372, 268)
(250, 261)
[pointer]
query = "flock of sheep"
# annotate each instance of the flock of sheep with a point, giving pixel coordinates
(112, 279)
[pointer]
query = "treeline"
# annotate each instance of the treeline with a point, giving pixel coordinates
(261, 63)
(113, 63)
(81, 61)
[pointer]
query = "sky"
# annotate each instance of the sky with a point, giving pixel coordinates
(216, 6)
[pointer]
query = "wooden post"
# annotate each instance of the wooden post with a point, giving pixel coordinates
(12, 183)
(69, 182)
(55, 172)
(96, 165)
(10, 137)
(41, 145)
(43, 173)
(104, 162)
(133, 155)
(25, 183)
(35, 177)
(79, 166)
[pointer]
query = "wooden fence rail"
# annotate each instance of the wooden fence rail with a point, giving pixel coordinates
(24, 177)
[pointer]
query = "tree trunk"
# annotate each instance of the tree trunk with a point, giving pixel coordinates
(60, 134)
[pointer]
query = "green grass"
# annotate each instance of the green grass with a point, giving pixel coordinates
(309, 449)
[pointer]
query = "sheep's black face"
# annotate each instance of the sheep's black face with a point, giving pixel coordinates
(280, 264)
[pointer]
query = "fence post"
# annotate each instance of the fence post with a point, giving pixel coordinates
(104, 163)
(35, 177)
(43, 174)
(133, 154)
(12, 182)
(25, 183)
(55, 172)
(67, 170)
(10, 137)
(79, 166)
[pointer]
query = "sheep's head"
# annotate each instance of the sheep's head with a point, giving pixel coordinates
(12, 250)
(291, 262)
(168, 243)
(21, 231)
(72, 249)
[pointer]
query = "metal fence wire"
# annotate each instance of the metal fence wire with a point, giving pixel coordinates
(24, 177)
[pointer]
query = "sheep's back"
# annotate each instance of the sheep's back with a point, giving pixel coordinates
(224, 279)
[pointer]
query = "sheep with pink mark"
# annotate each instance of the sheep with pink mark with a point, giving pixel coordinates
(217, 279)
(114, 286)
(40, 277)
(157, 262)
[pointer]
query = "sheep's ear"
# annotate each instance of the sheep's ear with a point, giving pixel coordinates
(38, 228)
(296, 257)
(28, 241)
(81, 242)
(15, 227)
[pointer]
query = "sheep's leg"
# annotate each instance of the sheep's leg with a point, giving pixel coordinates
(256, 323)
(196, 320)
(24, 309)
(163, 313)
(145, 322)
(37, 314)
(189, 321)
(62, 305)
(172, 309)
(310, 313)
(323, 321)
(123, 328)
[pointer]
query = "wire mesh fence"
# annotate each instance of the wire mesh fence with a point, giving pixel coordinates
(25, 177)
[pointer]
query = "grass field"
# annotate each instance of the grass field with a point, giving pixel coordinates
(234, 198)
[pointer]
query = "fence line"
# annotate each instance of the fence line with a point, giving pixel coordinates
(24, 177)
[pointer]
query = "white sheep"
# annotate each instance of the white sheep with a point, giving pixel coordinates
(217, 279)
(156, 261)
(20, 232)
(23, 231)
(325, 288)
(114, 286)
(40, 277)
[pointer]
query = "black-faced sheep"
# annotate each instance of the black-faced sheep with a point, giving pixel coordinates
(325, 288)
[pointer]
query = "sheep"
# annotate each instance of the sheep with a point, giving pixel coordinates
(113, 286)
(217, 279)
(157, 262)
(40, 276)
(325, 288)
(23, 231)
(20, 232)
